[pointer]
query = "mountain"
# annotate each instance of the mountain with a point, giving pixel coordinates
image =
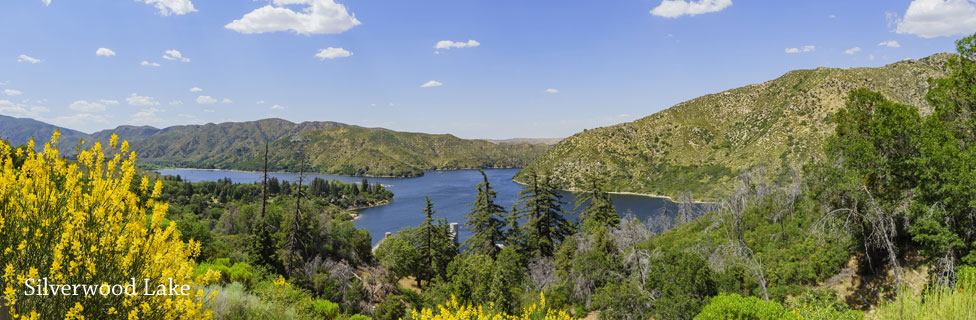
(331, 147)
(380, 152)
(701, 145)
(20, 130)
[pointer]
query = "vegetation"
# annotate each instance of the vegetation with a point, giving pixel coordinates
(702, 145)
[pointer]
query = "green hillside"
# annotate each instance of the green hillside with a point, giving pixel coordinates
(381, 152)
(702, 144)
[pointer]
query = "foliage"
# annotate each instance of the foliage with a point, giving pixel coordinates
(454, 310)
(79, 223)
(936, 303)
(485, 221)
(540, 204)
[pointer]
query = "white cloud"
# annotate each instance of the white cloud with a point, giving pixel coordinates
(196, 89)
(12, 92)
(892, 44)
(260, 102)
(227, 101)
(938, 18)
(852, 50)
(209, 110)
(20, 110)
(169, 7)
(85, 106)
(832, 16)
(141, 101)
(104, 52)
(551, 90)
(28, 59)
(76, 120)
(332, 53)
(46, 2)
(147, 115)
(175, 55)
(806, 48)
(176, 102)
(277, 107)
(109, 102)
(318, 17)
(149, 64)
(677, 8)
(431, 83)
(206, 100)
(448, 44)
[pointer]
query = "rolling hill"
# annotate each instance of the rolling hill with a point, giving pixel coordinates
(701, 145)
(331, 147)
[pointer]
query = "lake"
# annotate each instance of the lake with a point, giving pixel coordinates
(451, 191)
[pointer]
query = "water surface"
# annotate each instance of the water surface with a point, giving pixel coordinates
(451, 191)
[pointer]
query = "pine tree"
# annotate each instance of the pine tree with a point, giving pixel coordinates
(263, 247)
(485, 221)
(546, 226)
(599, 211)
(426, 231)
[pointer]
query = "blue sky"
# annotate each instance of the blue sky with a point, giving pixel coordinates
(534, 68)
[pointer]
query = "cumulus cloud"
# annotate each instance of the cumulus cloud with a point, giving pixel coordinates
(227, 101)
(806, 48)
(318, 17)
(175, 55)
(85, 106)
(109, 102)
(448, 44)
(892, 44)
(176, 102)
(332, 53)
(677, 8)
(260, 102)
(206, 100)
(196, 89)
(12, 92)
(141, 101)
(938, 18)
(148, 64)
(852, 50)
(46, 2)
(27, 59)
(431, 84)
(171, 7)
(551, 90)
(104, 52)
(209, 110)
(277, 107)
(8, 107)
(832, 16)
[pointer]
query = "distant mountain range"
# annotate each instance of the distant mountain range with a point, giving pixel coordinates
(330, 147)
(702, 145)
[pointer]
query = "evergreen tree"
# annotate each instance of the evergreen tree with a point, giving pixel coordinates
(435, 245)
(546, 226)
(599, 210)
(485, 221)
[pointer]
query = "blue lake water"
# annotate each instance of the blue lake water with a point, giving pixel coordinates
(451, 191)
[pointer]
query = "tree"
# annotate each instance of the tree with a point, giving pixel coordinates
(598, 211)
(485, 221)
(506, 280)
(546, 227)
(435, 245)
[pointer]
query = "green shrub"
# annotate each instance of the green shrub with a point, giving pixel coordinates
(735, 307)
(325, 308)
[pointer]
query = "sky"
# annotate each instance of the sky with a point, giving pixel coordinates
(473, 68)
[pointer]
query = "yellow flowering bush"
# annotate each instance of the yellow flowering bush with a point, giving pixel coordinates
(456, 311)
(79, 223)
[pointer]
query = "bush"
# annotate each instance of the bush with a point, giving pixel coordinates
(81, 223)
(325, 308)
(734, 306)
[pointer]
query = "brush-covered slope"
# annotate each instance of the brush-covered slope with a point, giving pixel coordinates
(381, 152)
(223, 145)
(702, 144)
(20, 130)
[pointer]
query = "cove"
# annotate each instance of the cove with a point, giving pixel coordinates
(452, 191)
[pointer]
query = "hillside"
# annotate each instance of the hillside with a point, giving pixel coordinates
(702, 144)
(332, 147)
(21, 130)
(381, 152)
